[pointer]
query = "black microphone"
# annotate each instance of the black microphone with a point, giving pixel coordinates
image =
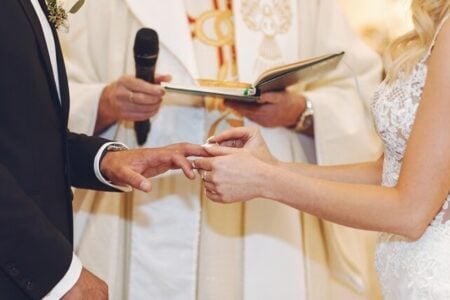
(146, 48)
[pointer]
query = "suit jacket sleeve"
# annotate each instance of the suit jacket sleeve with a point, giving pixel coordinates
(82, 150)
(30, 244)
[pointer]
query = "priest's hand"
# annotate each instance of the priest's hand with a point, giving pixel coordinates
(133, 167)
(129, 99)
(275, 109)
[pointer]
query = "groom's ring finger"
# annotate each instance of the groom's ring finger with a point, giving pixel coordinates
(131, 97)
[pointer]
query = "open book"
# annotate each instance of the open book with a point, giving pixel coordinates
(274, 79)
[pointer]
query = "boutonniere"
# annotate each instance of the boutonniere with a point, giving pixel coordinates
(57, 12)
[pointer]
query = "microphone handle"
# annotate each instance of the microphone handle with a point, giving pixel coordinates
(142, 128)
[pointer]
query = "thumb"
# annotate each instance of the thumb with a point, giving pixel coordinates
(271, 97)
(163, 78)
(214, 150)
(137, 181)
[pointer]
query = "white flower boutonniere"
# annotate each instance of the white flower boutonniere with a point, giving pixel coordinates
(57, 12)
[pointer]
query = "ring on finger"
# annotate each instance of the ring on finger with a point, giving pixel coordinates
(130, 97)
(212, 192)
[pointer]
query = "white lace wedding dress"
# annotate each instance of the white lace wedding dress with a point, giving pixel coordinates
(409, 269)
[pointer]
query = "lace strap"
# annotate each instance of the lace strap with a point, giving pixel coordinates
(436, 34)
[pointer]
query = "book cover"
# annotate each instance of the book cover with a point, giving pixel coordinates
(274, 79)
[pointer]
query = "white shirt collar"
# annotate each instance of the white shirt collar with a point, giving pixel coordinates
(49, 40)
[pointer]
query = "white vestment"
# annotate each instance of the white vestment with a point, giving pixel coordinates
(146, 246)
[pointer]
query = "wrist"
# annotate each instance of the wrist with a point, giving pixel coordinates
(277, 185)
(105, 111)
(112, 147)
(296, 111)
(267, 188)
(305, 120)
(276, 163)
(103, 162)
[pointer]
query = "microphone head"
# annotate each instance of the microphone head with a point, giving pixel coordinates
(146, 44)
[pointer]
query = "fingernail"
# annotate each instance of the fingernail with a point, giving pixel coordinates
(210, 139)
(145, 186)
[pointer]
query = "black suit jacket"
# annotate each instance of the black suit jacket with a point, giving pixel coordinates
(39, 159)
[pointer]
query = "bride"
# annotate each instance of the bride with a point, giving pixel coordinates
(411, 109)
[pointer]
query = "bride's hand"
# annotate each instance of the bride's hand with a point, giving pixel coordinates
(248, 138)
(232, 176)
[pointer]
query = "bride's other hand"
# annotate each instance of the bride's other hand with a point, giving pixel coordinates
(248, 138)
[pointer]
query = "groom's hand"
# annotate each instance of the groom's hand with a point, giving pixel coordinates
(88, 287)
(133, 167)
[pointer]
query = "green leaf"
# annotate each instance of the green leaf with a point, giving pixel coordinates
(51, 3)
(76, 6)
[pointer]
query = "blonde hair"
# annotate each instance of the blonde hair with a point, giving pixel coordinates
(403, 54)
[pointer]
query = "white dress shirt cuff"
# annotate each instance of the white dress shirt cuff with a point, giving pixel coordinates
(67, 282)
(99, 175)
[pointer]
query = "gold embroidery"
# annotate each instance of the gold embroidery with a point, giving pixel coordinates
(270, 17)
(215, 28)
(223, 28)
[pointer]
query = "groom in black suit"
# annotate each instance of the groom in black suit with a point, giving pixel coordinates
(40, 160)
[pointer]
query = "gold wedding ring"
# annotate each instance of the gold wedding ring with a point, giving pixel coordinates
(130, 97)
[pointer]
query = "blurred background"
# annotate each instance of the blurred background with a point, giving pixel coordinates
(378, 21)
